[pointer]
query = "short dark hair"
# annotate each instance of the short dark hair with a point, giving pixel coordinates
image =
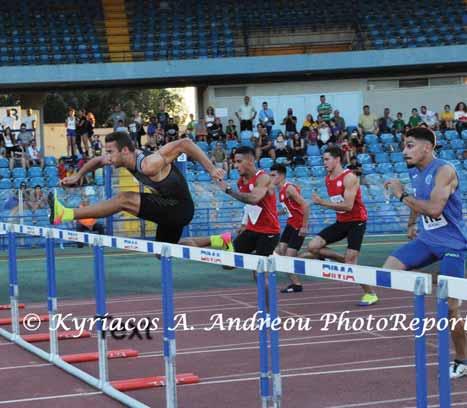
(366, 106)
(322, 96)
(246, 150)
(280, 168)
(122, 139)
(335, 151)
(422, 133)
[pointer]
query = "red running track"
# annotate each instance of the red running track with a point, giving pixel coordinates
(333, 368)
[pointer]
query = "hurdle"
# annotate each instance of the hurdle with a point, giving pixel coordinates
(270, 390)
(448, 287)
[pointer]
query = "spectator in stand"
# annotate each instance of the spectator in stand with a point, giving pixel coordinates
(460, 117)
(368, 123)
(231, 131)
(14, 151)
(117, 116)
(415, 120)
(264, 147)
(121, 127)
(96, 145)
(34, 156)
(324, 133)
(344, 145)
(61, 169)
(336, 132)
(324, 109)
(87, 129)
(24, 136)
(246, 114)
(219, 157)
(210, 117)
(399, 124)
(290, 122)
(310, 122)
(171, 131)
(355, 166)
(216, 133)
(339, 120)
(134, 128)
(281, 147)
(231, 160)
(92, 120)
(191, 127)
(429, 117)
(385, 123)
(162, 116)
(9, 121)
(357, 142)
(88, 224)
(266, 118)
(152, 126)
(158, 138)
(36, 200)
(21, 195)
(2, 148)
(30, 120)
(446, 118)
(298, 149)
(201, 131)
(70, 126)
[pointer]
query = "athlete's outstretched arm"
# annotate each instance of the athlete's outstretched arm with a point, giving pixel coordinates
(445, 184)
(351, 185)
(91, 165)
(154, 163)
(255, 195)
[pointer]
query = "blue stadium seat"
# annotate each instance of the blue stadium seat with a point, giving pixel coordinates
(364, 158)
(234, 174)
(400, 167)
(4, 172)
(36, 181)
(301, 171)
(384, 168)
(315, 161)
(465, 165)
(371, 139)
(5, 184)
(191, 176)
(266, 163)
(282, 160)
(34, 172)
(203, 146)
(381, 158)
(17, 181)
(18, 172)
(457, 144)
(375, 148)
(368, 168)
(318, 171)
(451, 134)
(464, 134)
(447, 155)
(313, 150)
(387, 138)
(397, 157)
(4, 162)
(231, 144)
(457, 165)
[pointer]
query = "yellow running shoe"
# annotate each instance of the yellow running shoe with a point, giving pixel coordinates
(58, 212)
(368, 299)
(227, 238)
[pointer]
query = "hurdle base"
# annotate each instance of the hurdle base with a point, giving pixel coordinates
(150, 382)
(7, 320)
(87, 357)
(8, 307)
(63, 335)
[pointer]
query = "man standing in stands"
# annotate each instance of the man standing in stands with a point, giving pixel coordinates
(169, 204)
(324, 109)
(297, 211)
(246, 114)
(443, 236)
(255, 188)
(351, 215)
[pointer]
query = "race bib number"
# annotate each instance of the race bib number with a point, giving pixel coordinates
(430, 223)
(337, 199)
(286, 210)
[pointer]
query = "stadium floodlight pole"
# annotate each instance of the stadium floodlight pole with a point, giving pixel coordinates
(420, 344)
(52, 293)
(274, 335)
(108, 195)
(169, 330)
(443, 345)
(263, 336)
(99, 278)
(13, 281)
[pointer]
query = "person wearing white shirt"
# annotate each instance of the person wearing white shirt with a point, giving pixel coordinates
(70, 125)
(30, 120)
(246, 114)
(266, 117)
(429, 117)
(9, 121)
(34, 155)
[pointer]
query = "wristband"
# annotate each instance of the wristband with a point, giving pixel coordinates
(403, 195)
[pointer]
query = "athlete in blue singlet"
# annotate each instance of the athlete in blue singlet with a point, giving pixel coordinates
(442, 235)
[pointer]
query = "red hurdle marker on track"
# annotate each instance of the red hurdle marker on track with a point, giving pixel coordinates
(7, 320)
(86, 357)
(63, 335)
(150, 382)
(8, 307)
